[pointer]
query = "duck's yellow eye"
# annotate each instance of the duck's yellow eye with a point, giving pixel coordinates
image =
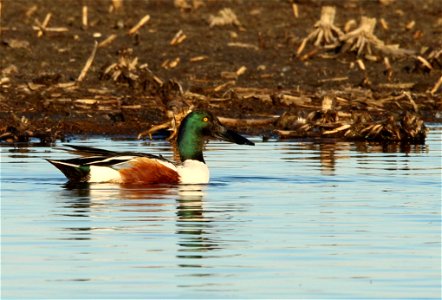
(205, 119)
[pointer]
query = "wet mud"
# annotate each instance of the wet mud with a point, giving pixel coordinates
(358, 70)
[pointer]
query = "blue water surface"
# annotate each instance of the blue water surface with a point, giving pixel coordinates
(283, 219)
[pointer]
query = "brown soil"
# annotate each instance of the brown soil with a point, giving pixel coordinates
(247, 70)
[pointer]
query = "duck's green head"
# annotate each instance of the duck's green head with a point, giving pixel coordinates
(197, 127)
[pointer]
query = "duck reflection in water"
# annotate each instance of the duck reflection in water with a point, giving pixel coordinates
(193, 228)
(150, 203)
(107, 191)
(84, 197)
(144, 203)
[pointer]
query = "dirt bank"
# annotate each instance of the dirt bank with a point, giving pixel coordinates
(244, 60)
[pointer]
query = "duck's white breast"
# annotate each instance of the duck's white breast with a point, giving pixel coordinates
(193, 172)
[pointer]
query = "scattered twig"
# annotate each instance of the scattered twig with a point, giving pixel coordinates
(31, 10)
(140, 23)
(413, 103)
(107, 41)
(309, 54)
(337, 130)
(171, 63)
(178, 38)
(224, 85)
(334, 79)
(410, 25)
(384, 24)
(388, 67)
(424, 62)
(243, 45)
(436, 86)
(241, 71)
(295, 10)
(198, 58)
(84, 19)
(88, 63)
(361, 64)
(400, 85)
(42, 28)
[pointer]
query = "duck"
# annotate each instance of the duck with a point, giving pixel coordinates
(95, 165)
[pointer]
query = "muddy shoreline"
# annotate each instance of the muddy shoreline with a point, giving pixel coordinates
(248, 69)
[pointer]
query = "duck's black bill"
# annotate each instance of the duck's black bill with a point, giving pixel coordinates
(231, 136)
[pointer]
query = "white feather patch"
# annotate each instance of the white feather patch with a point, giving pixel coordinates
(123, 158)
(193, 172)
(103, 174)
(167, 164)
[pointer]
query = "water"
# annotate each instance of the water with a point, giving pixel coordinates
(293, 219)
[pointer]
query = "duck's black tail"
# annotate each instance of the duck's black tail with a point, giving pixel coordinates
(73, 172)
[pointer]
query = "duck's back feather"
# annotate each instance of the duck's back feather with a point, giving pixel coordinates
(121, 167)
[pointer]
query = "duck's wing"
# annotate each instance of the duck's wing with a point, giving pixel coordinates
(100, 165)
(88, 151)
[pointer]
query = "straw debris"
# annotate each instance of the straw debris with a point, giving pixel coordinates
(127, 71)
(140, 24)
(360, 124)
(225, 17)
(22, 131)
(362, 40)
(42, 27)
(326, 34)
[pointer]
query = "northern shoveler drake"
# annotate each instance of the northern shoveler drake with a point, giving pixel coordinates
(140, 168)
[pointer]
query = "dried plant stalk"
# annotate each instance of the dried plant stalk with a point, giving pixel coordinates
(241, 71)
(198, 58)
(362, 39)
(388, 67)
(84, 19)
(171, 63)
(178, 38)
(225, 17)
(41, 28)
(107, 41)
(243, 45)
(172, 124)
(295, 10)
(88, 63)
(116, 5)
(436, 86)
(326, 33)
(137, 26)
(424, 62)
(384, 24)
